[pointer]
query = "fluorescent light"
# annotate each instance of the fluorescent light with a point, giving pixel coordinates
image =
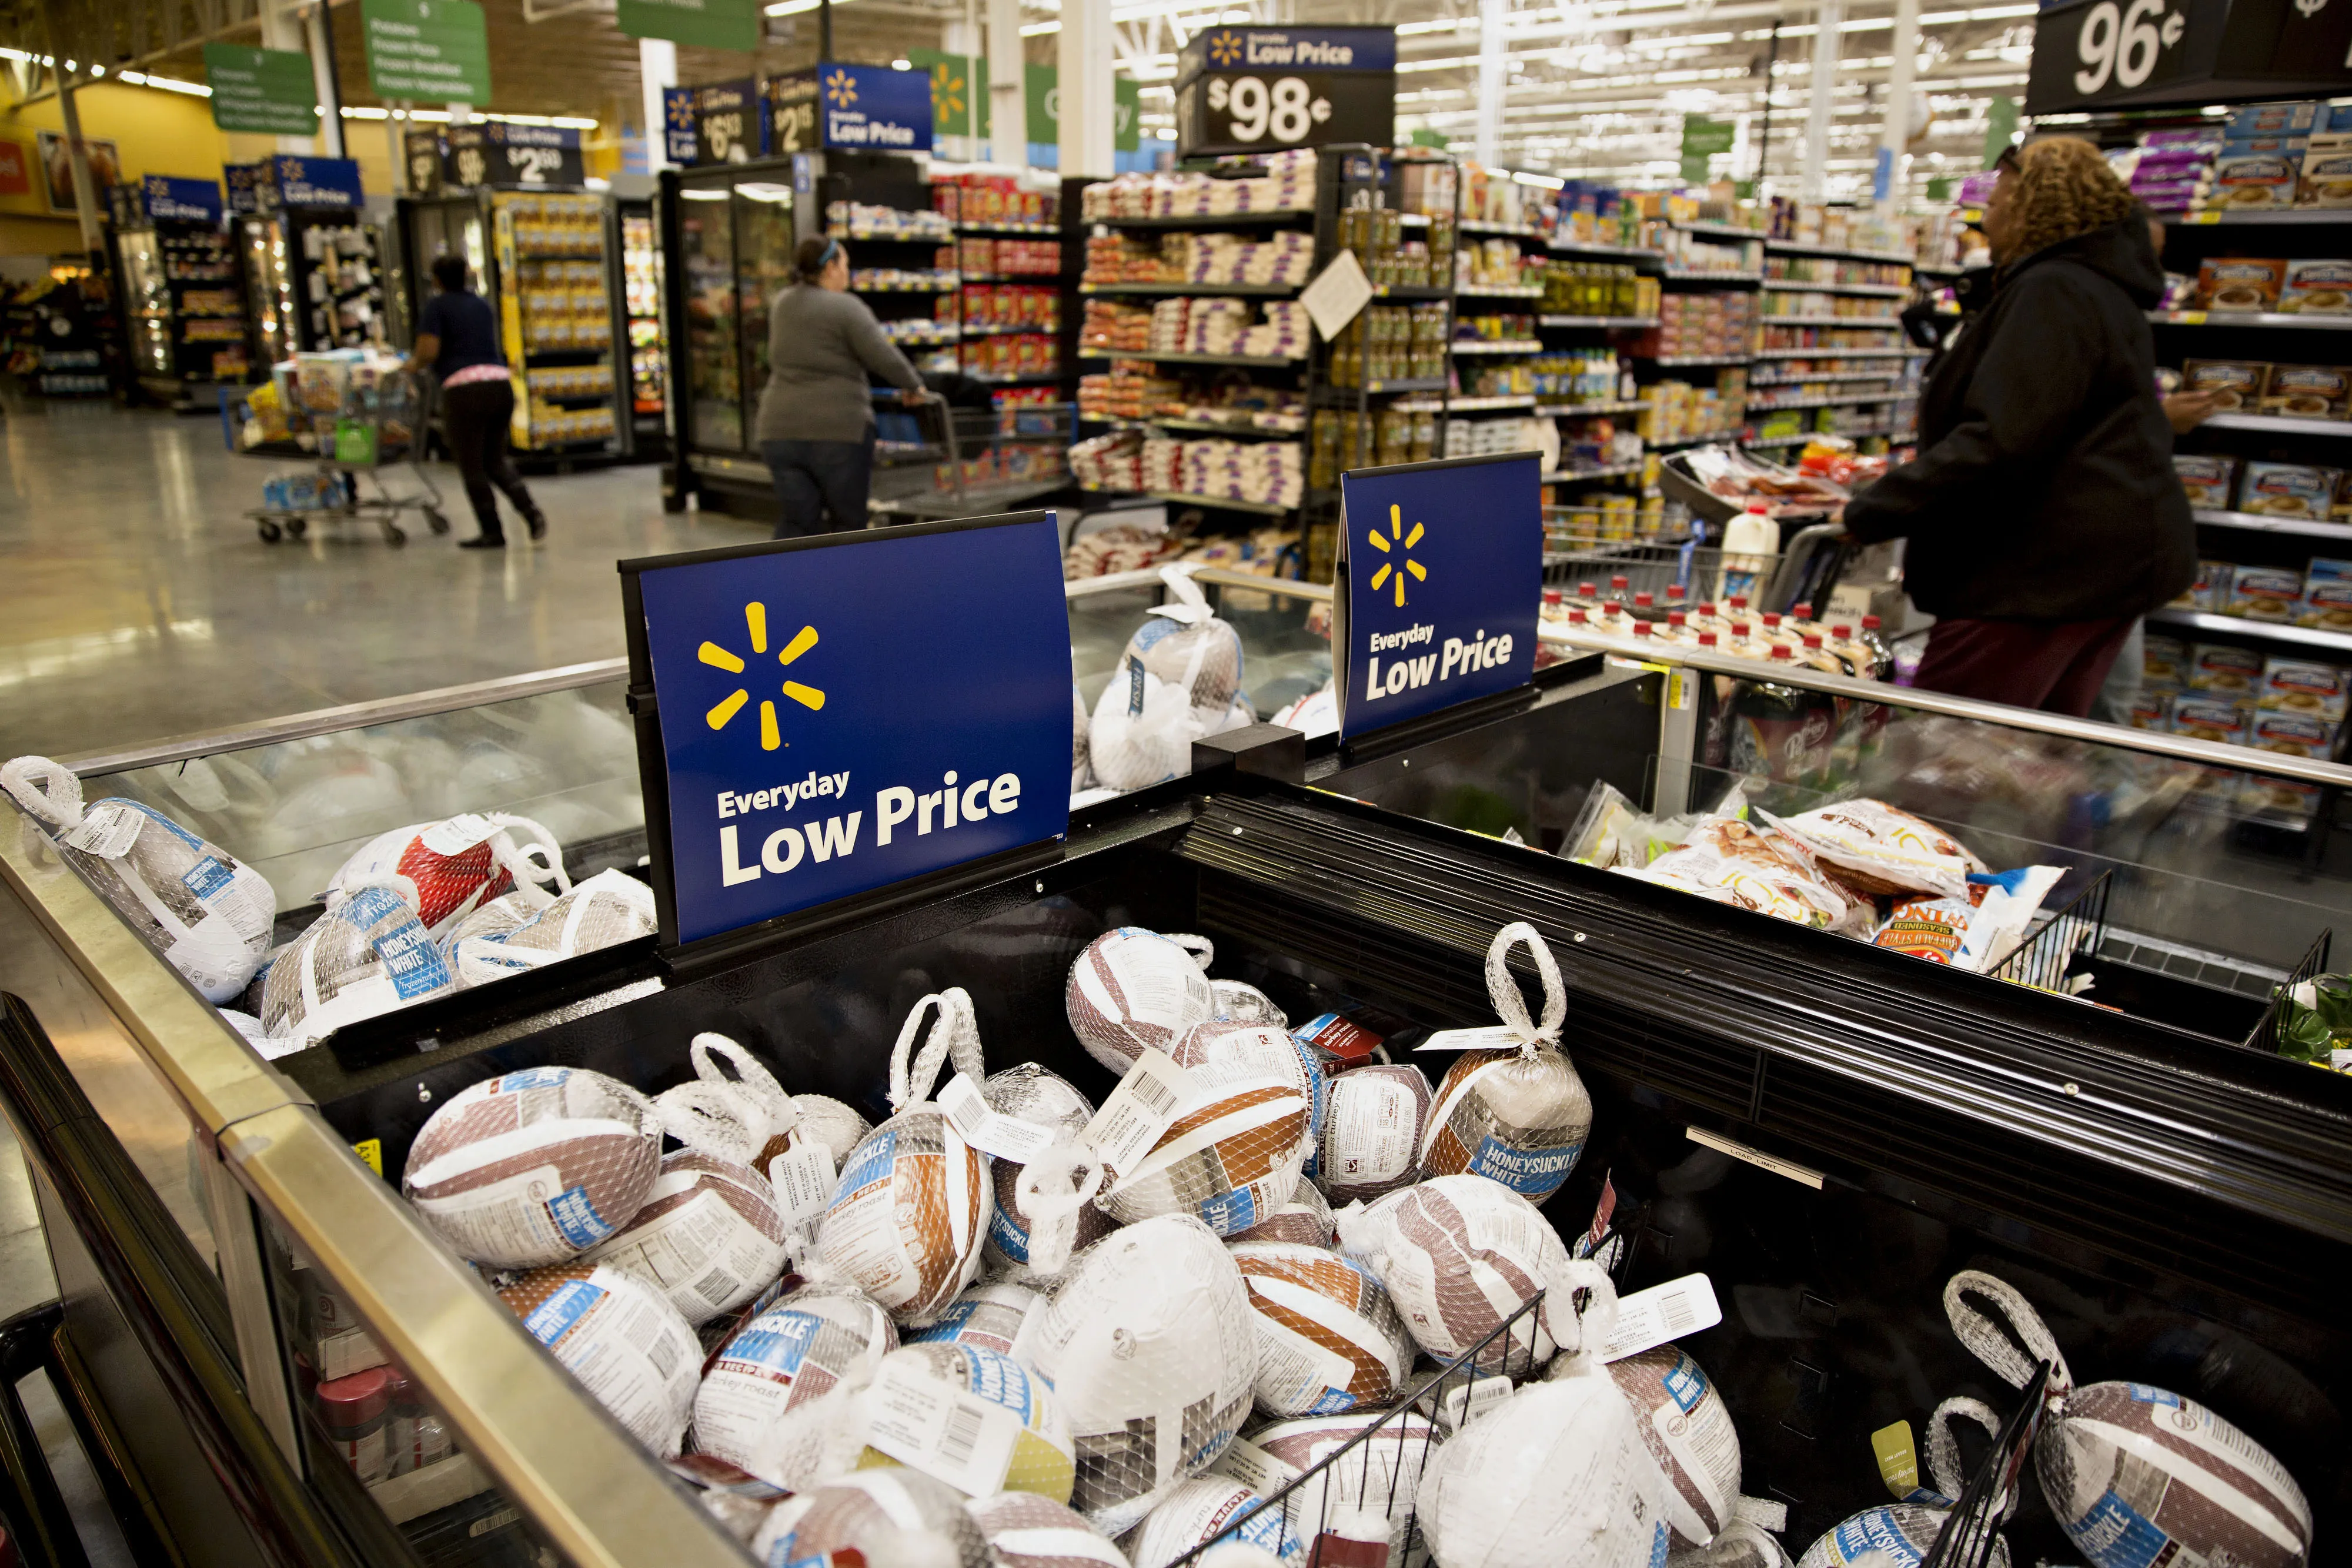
(1541, 182)
(691, 194)
(902, 65)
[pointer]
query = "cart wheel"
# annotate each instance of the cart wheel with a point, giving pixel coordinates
(297, 527)
(269, 530)
(440, 524)
(393, 535)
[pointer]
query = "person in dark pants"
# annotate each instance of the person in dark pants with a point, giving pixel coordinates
(457, 338)
(2043, 514)
(817, 415)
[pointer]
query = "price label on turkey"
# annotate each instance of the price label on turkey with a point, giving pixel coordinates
(1265, 89)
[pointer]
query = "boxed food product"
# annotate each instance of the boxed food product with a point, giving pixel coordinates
(2264, 593)
(2293, 733)
(2148, 710)
(2217, 667)
(2277, 798)
(2297, 685)
(2256, 175)
(2326, 179)
(2206, 478)
(2239, 283)
(2271, 120)
(2320, 288)
(2308, 391)
(2210, 589)
(2288, 489)
(2326, 595)
(2164, 663)
(2216, 718)
(2235, 383)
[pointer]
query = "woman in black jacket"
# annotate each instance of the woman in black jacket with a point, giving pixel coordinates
(2043, 512)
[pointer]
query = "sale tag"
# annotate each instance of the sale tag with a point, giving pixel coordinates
(803, 1177)
(1465, 1402)
(1898, 1460)
(1246, 1462)
(1647, 1319)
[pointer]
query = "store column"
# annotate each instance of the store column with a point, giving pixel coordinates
(1089, 109)
(657, 71)
(1829, 24)
(322, 71)
(1493, 61)
(1008, 103)
(1895, 128)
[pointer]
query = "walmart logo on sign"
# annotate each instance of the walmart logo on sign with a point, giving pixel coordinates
(755, 620)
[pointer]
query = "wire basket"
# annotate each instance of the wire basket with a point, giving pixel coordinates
(2044, 958)
(1803, 571)
(938, 460)
(1971, 1533)
(2314, 962)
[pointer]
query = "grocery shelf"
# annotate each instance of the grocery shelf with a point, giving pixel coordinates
(1677, 275)
(1258, 361)
(1026, 378)
(1486, 346)
(1205, 426)
(1000, 328)
(1498, 292)
(1250, 289)
(2268, 630)
(1207, 220)
(1681, 441)
(1672, 360)
(1864, 323)
(1410, 291)
(2323, 323)
(1875, 291)
(1755, 407)
(1578, 410)
(1337, 394)
(944, 286)
(2303, 215)
(1798, 247)
(2256, 522)
(1754, 381)
(2279, 424)
(1477, 405)
(1413, 220)
(1181, 497)
(1827, 352)
(1603, 249)
(886, 236)
(1480, 226)
(1044, 231)
(1610, 322)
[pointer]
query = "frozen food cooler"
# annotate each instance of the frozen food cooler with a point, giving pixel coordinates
(1828, 1130)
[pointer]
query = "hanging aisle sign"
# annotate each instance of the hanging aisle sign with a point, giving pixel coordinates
(533, 157)
(437, 51)
(711, 24)
(2118, 54)
(792, 113)
(425, 152)
(269, 90)
(1262, 90)
(244, 182)
(678, 123)
(801, 746)
(875, 108)
(730, 124)
(1441, 574)
(168, 199)
(311, 181)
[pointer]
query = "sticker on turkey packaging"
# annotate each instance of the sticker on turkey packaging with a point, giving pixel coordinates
(1647, 1319)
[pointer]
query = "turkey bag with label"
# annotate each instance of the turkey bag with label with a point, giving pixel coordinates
(1232, 1152)
(709, 1237)
(1328, 1338)
(1906, 1532)
(1176, 681)
(459, 864)
(369, 955)
(606, 910)
(750, 1120)
(1025, 1530)
(775, 1400)
(1518, 1114)
(617, 1336)
(1687, 1429)
(885, 1518)
(996, 1414)
(1134, 989)
(193, 903)
(1045, 1208)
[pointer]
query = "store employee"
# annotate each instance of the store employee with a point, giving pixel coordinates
(817, 415)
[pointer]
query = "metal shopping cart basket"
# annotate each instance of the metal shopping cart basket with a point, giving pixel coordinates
(345, 424)
(1582, 545)
(947, 459)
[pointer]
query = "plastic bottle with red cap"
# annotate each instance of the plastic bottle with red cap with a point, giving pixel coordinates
(354, 1412)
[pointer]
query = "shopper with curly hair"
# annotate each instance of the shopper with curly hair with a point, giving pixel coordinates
(2041, 511)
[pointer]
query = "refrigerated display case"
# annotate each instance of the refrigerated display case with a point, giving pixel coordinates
(185, 308)
(314, 280)
(640, 289)
(1827, 1129)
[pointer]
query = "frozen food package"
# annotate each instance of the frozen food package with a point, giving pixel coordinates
(1023, 1244)
(1025, 1530)
(2237, 385)
(2326, 181)
(2239, 283)
(1267, 1047)
(2222, 667)
(1757, 868)
(998, 1315)
(1373, 1125)
(2296, 686)
(1151, 1344)
(1303, 1218)
(621, 1339)
(2216, 718)
(534, 1167)
(1686, 1430)
(2250, 175)
(1133, 988)
(1515, 1111)
(745, 1116)
(1328, 1339)
(1890, 1533)
(609, 908)
(2164, 663)
(2326, 595)
(1373, 1478)
(2288, 490)
(2135, 1474)
(909, 1215)
(2308, 391)
(1202, 1509)
(1550, 1478)
(207, 913)
(459, 865)
(972, 1418)
(1977, 932)
(708, 1236)
(367, 955)
(1234, 1147)
(775, 1398)
(1877, 848)
(879, 1517)
(2208, 479)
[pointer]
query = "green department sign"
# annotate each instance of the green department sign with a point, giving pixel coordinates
(269, 90)
(435, 50)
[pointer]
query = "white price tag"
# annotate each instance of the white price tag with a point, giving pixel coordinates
(1465, 1402)
(1338, 295)
(1491, 1036)
(106, 830)
(1246, 1462)
(946, 1433)
(1647, 1319)
(457, 835)
(803, 1177)
(990, 1132)
(1151, 1095)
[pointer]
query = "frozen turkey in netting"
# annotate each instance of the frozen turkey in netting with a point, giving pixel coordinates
(1687, 1429)
(1373, 1122)
(1022, 1245)
(369, 955)
(1204, 1508)
(534, 1167)
(1328, 1338)
(459, 865)
(606, 910)
(775, 1399)
(1150, 1342)
(1897, 1534)
(208, 914)
(1518, 1114)
(1267, 1046)
(1377, 1476)
(911, 1207)
(1742, 1543)
(998, 1315)
(877, 1517)
(1240, 1002)
(1233, 1149)
(1025, 1530)
(1553, 1477)
(708, 1236)
(2135, 1473)
(616, 1334)
(972, 1418)
(1176, 681)
(747, 1117)
(1305, 1218)
(1134, 989)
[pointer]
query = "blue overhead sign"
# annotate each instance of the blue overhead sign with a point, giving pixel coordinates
(170, 199)
(678, 123)
(1440, 569)
(812, 742)
(315, 182)
(1255, 48)
(875, 108)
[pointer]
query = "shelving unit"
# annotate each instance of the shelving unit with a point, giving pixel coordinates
(2171, 617)
(557, 312)
(1026, 345)
(2259, 523)
(1226, 290)
(183, 309)
(2282, 425)
(2234, 319)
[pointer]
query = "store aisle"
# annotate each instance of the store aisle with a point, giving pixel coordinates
(136, 602)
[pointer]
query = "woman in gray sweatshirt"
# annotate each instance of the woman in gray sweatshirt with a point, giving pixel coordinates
(817, 415)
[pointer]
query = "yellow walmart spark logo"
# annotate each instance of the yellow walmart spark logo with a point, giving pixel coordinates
(947, 92)
(755, 620)
(1225, 48)
(842, 88)
(1395, 571)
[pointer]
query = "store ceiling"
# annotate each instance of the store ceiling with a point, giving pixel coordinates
(1597, 88)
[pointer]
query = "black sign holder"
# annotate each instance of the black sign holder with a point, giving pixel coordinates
(2159, 54)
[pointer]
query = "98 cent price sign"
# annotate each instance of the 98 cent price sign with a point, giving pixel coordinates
(1262, 90)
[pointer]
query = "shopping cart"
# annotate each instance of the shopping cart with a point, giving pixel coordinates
(942, 459)
(1582, 545)
(347, 429)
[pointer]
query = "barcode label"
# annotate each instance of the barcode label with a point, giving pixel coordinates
(1154, 1096)
(948, 1434)
(1663, 1313)
(1138, 1111)
(962, 1436)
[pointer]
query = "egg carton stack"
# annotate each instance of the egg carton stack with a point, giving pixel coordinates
(1283, 335)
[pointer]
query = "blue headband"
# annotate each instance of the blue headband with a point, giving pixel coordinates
(832, 249)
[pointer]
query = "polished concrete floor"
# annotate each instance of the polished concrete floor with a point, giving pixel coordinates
(136, 601)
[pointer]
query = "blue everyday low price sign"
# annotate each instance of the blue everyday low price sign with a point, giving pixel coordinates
(1441, 567)
(875, 108)
(171, 199)
(818, 739)
(315, 182)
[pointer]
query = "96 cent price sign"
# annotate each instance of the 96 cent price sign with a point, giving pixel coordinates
(1262, 90)
(2102, 54)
